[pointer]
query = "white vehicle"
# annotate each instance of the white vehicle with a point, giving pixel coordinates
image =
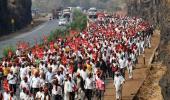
(62, 21)
(67, 10)
(92, 11)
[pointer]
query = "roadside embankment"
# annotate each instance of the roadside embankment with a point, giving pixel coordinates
(131, 88)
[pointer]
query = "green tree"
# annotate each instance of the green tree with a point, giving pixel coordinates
(79, 20)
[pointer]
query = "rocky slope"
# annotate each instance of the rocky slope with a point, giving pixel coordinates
(18, 10)
(158, 13)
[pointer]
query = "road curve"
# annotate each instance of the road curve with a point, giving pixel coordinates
(30, 36)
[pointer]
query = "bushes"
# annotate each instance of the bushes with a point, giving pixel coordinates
(58, 33)
(50, 37)
(79, 21)
(7, 50)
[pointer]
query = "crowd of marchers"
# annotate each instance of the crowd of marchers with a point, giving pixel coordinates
(76, 68)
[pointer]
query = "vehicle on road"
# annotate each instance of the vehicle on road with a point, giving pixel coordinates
(57, 13)
(62, 22)
(67, 13)
(92, 13)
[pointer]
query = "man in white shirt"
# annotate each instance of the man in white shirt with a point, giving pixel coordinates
(24, 84)
(89, 86)
(56, 91)
(41, 67)
(83, 74)
(30, 56)
(122, 63)
(14, 68)
(40, 94)
(60, 78)
(118, 82)
(68, 89)
(49, 78)
(129, 68)
(138, 47)
(23, 72)
(24, 94)
(66, 94)
(18, 52)
(45, 58)
(12, 80)
(6, 95)
(35, 83)
(49, 75)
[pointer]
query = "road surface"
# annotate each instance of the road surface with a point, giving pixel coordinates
(131, 87)
(37, 32)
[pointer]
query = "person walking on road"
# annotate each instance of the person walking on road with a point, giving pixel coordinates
(89, 87)
(130, 68)
(100, 87)
(12, 81)
(118, 82)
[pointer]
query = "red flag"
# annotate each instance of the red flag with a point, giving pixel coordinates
(6, 85)
(94, 56)
(77, 41)
(44, 38)
(85, 42)
(40, 53)
(33, 51)
(9, 53)
(64, 60)
(52, 45)
(72, 32)
(71, 69)
(73, 47)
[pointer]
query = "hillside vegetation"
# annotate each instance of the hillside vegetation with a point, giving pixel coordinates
(102, 4)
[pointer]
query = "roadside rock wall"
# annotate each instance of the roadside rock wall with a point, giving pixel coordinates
(158, 13)
(155, 11)
(18, 10)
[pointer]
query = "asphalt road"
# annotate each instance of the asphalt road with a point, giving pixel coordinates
(37, 33)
